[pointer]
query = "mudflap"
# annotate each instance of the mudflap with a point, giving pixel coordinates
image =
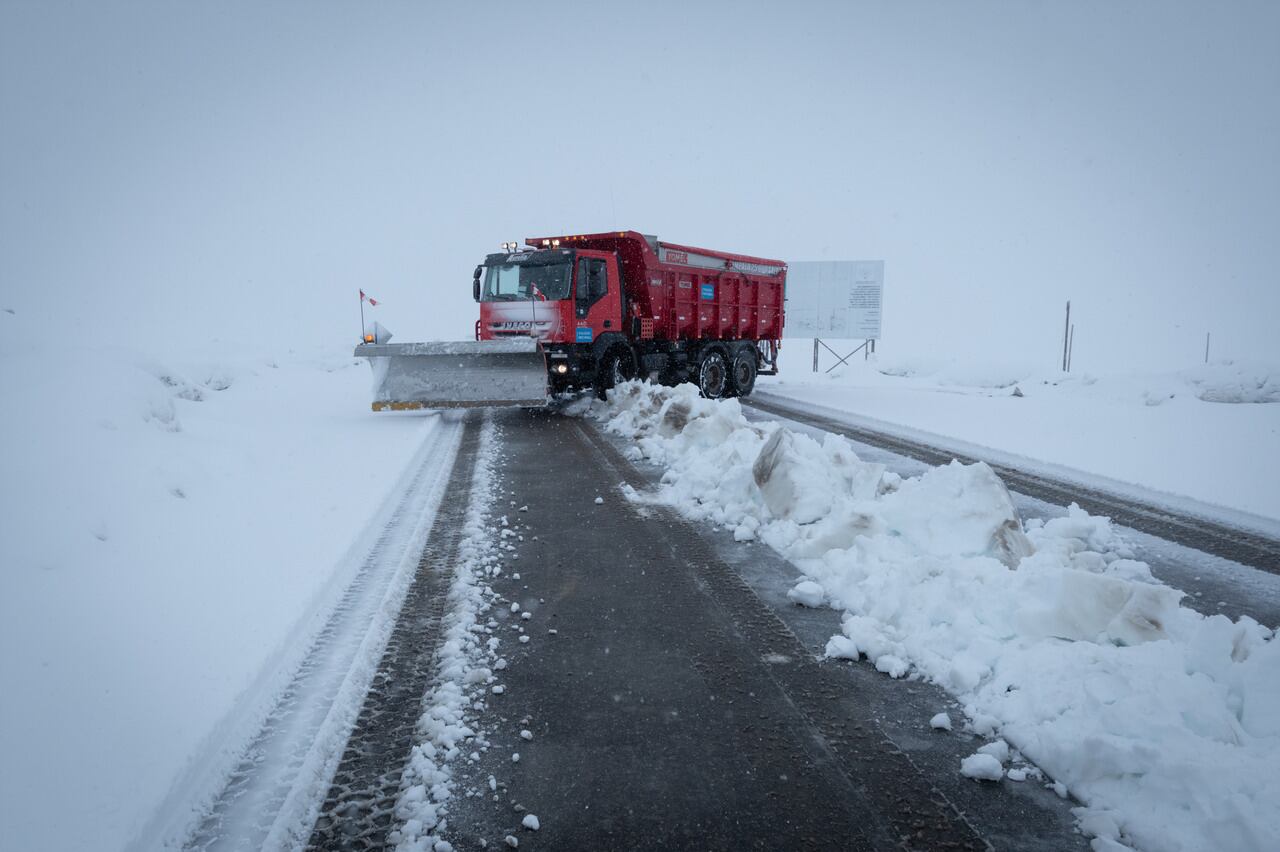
(464, 374)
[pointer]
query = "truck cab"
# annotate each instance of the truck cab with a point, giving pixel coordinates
(569, 299)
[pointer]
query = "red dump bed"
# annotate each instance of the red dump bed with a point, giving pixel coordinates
(691, 293)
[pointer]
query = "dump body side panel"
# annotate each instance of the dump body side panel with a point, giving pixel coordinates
(682, 293)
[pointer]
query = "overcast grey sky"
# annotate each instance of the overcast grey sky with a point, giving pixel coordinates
(184, 171)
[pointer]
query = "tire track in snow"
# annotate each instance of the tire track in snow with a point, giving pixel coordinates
(359, 810)
(272, 796)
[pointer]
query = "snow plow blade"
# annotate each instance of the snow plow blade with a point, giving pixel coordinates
(466, 374)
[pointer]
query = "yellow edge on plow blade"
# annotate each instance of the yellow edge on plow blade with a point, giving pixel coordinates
(463, 374)
(420, 406)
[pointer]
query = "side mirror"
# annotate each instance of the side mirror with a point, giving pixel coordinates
(475, 284)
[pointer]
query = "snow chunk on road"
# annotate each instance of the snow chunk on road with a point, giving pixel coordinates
(891, 665)
(1086, 606)
(998, 749)
(955, 510)
(982, 767)
(940, 722)
(531, 822)
(807, 593)
(599, 501)
(786, 478)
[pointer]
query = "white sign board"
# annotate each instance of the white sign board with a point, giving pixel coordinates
(838, 299)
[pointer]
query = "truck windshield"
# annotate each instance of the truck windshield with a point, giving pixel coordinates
(517, 282)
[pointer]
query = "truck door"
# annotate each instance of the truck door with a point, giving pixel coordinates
(597, 295)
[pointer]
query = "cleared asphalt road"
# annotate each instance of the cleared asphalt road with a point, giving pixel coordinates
(681, 702)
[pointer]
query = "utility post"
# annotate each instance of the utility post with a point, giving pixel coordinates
(1066, 336)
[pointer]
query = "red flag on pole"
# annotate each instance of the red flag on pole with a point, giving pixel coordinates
(369, 299)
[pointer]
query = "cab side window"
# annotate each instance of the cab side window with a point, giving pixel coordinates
(592, 282)
(598, 279)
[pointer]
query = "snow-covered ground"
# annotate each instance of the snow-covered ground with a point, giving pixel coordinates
(1211, 433)
(1061, 647)
(173, 533)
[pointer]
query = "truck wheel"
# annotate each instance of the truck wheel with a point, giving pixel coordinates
(742, 378)
(619, 366)
(713, 375)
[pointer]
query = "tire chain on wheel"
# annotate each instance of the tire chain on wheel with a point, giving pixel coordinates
(724, 374)
(747, 357)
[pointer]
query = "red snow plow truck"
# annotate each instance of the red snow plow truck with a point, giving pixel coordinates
(592, 310)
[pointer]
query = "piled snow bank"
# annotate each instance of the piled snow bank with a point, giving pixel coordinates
(1207, 433)
(169, 532)
(1159, 719)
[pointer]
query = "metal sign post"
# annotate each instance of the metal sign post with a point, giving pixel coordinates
(867, 347)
